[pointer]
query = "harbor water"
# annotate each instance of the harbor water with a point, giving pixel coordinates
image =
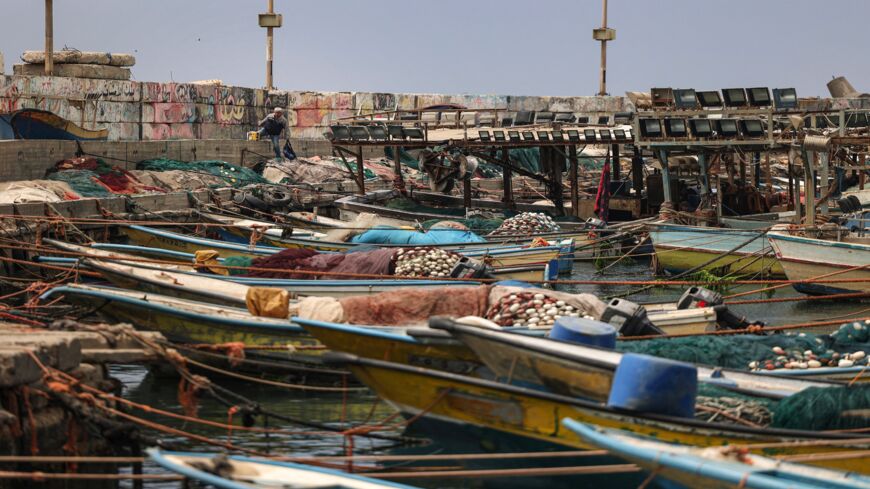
(363, 407)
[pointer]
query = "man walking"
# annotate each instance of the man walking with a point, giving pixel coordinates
(273, 125)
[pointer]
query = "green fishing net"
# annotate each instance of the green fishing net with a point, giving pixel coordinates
(238, 261)
(82, 181)
(233, 175)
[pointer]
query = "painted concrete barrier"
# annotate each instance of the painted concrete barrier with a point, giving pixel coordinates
(160, 111)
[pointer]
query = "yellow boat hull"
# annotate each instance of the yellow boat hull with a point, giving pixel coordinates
(538, 416)
(674, 259)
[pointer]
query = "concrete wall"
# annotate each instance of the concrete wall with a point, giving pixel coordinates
(28, 160)
(161, 111)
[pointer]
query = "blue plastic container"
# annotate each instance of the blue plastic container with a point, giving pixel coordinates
(649, 384)
(584, 331)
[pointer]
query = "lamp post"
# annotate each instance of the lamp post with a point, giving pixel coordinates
(270, 20)
(49, 37)
(603, 34)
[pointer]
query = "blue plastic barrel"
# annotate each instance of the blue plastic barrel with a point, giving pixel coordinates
(584, 331)
(649, 384)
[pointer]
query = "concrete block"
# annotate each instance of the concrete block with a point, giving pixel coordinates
(76, 71)
(17, 368)
(61, 352)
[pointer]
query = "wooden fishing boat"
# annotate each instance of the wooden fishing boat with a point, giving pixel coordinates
(805, 259)
(42, 124)
(191, 322)
(508, 263)
(170, 279)
(737, 252)
(587, 371)
(442, 402)
(430, 205)
(237, 472)
(714, 467)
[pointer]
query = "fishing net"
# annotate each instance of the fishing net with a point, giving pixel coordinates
(237, 261)
(232, 175)
(288, 263)
(84, 182)
(405, 157)
(410, 205)
(479, 225)
(824, 408)
(762, 352)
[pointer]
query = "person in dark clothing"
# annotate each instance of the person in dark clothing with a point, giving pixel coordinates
(272, 126)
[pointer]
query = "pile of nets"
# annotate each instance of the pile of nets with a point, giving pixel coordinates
(83, 182)
(232, 175)
(300, 263)
(848, 344)
(410, 205)
(526, 223)
(93, 177)
(480, 225)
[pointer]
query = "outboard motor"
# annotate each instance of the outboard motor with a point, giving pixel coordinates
(701, 297)
(593, 223)
(471, 269)
(629, 318)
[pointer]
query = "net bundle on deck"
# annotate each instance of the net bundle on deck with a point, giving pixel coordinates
(233, 175)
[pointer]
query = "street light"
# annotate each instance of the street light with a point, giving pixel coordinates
(270, 20)
(603, 34)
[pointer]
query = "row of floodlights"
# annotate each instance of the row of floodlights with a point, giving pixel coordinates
(701, 128)
(376, 133)
(530, 117)
(688, 98)
(570, 135)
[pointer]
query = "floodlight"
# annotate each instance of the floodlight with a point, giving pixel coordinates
(573, 135)
(753, 128)
(709, 99)
(759, 96)
(528, 136)
(581, 120)
(603, 120)
(396, 132)
(701, 128)
(544, 117)
(340, 133)
(524, 117)
(734, 97)
(414, 133)
(726, 127)
(604, 135)
(484, 136)
(662, 97)
(543, 136)
(565, 117)
(514, 136)
(785, 98)
(589, 135)
(499, 136)
(676, 128)
(378, 133)
(684, 98)
(359, 133)
(650, 128)
(623, 117)
(558, 136)
(620, 134)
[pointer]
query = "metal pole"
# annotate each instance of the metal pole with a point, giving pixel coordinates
(269, 44)
(49, 37)
(602, 78)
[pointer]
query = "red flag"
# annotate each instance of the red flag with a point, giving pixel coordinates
(602, 198)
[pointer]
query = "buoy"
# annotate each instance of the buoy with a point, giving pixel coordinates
(584, 331)
(649, 384)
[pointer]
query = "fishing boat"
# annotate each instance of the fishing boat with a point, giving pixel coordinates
(238, 472)
(723, 251)
(127, 271)
(809, 261)
(444, 403)
(42, 124)
(719, 467)
(188, 322)
(588, 371)
(427, 206)
(508, 263)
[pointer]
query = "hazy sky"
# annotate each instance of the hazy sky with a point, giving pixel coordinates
(531, 47)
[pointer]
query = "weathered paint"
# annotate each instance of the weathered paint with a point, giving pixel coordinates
(159, 111)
